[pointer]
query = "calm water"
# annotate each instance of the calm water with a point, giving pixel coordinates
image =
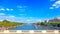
(28, 27)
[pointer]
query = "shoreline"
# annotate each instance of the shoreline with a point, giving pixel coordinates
(47, 27)
(9, 27)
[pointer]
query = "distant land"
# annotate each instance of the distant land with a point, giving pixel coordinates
(51, 24)
(6, 25)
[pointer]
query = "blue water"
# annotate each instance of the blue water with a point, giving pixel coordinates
(28, 27)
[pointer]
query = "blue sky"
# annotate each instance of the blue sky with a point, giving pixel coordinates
(29, 10)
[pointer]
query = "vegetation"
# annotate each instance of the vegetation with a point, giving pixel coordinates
(49, 23)
(5, 23)
(41, 23)
(38, 23)
(54, 23)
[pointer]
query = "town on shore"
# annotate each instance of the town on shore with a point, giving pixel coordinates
(53, 24)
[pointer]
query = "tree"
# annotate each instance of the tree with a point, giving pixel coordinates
(6, 21)
(45, 21)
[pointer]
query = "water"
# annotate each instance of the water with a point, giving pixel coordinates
(28, 27)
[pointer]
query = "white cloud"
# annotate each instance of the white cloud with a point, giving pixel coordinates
(19, 19)
(51, 8)
(11, 16)
(28, 20)
(2, 14)
(39, 20)
(32, 20)
(22, 15)
(56, 5)
(2, 9)
(11, 9)
(7, 9)
(21, 6)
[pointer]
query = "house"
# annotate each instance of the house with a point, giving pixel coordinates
(54, 20)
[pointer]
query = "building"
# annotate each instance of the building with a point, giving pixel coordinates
(54, 20)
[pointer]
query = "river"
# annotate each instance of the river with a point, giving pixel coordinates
(28, 27)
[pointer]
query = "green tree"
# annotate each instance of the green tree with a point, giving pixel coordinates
(6, 21)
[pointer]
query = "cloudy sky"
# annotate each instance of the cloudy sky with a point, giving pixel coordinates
(29, 10)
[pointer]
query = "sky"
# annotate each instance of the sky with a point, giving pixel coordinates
(29, 11)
